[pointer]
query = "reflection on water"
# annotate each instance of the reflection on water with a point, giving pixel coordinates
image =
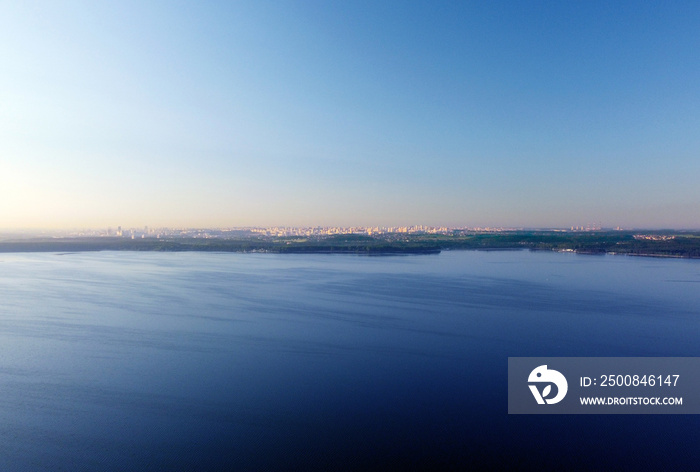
(201, 361)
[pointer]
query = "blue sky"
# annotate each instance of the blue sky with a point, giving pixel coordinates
(349, 113)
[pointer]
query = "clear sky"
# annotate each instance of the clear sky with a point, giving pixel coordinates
(255, 113)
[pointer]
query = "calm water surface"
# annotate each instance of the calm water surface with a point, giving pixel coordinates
(199, 361)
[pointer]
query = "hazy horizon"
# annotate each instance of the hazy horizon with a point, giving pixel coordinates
(140, 228)
(260, 114)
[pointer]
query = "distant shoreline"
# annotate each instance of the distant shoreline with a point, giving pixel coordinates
(676, 245)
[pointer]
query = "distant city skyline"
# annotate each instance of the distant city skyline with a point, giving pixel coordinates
(313, 231)
(302, 114)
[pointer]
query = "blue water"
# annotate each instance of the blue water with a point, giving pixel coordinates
(200, 361)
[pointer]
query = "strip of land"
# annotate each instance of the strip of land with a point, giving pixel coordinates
(655, 244)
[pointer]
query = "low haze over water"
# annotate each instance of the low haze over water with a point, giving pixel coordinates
(201, 361)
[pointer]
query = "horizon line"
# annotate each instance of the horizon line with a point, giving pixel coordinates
(348, 228)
